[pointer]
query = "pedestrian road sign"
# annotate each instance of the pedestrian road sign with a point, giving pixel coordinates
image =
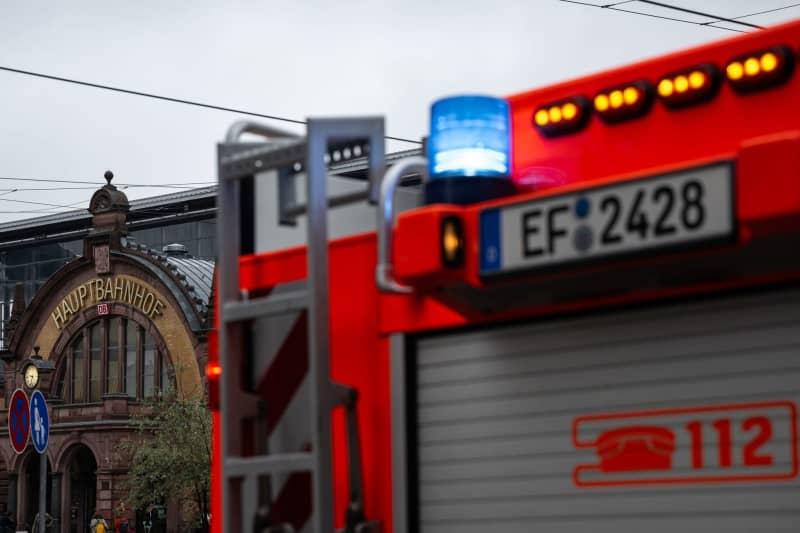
(40, 422)
(19, 421)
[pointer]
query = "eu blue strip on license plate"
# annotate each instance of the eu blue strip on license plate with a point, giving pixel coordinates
(680, 208)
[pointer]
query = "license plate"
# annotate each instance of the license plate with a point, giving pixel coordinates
(681, 208)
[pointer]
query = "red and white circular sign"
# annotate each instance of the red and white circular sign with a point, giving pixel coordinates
(19, 421)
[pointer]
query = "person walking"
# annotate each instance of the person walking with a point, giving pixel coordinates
(98, 524)
(48, 521)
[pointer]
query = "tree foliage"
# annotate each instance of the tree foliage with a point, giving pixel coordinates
(171, 455)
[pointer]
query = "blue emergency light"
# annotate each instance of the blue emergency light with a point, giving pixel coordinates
(469, 150)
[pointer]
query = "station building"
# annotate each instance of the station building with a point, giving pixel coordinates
(117, 301)
(112, 322)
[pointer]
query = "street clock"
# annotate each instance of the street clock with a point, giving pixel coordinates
(36, 371)
(31, 376)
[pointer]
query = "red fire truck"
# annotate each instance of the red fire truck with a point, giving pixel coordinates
(609, 342)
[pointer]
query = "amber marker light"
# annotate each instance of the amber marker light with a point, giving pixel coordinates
(213, 375)
(760, 69)
(452, 241)
(213, 371)
(625, 102)
(562, 117)
(688, 87)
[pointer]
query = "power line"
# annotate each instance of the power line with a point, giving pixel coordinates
(70, 207)
(97, 183)
(611, 7)
(171, 99)
(30, 202)
(702, 14)
(27, 189)
(76, 205)
(48, 210)
(34, 212)
(765, 11)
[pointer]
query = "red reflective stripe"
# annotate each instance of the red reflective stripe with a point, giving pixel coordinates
(279, 385)
(286, 372)
(293, 504)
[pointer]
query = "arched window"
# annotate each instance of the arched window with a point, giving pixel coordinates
(112, 355)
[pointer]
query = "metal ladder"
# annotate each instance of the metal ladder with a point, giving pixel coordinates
(239, 165)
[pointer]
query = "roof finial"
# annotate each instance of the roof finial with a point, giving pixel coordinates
(36, 352)
(108, 176)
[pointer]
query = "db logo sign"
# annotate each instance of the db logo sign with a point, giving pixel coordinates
(710, 444)
(103, 309)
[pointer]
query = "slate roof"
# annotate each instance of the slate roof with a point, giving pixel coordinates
(189, 278)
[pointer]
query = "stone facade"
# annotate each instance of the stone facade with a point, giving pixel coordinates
(93, 388)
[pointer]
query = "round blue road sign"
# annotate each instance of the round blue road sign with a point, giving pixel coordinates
(40, 422)
(19, 421)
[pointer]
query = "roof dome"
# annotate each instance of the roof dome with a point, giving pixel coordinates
(108, 198)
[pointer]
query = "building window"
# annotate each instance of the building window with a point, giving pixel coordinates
(96, 357)
(132, 343)
(113, 370)
(108, 354)
(77, 369)
(31, 266)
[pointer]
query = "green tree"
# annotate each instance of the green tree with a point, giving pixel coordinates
(171, 455)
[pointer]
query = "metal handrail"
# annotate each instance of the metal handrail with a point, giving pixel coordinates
(384, 275)
(237, 129)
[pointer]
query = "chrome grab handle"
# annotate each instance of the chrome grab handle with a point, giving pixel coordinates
(237, 129)
(384, 270)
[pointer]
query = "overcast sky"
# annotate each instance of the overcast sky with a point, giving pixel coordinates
(293, 58)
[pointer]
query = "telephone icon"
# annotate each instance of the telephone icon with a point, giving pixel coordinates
(636, 448)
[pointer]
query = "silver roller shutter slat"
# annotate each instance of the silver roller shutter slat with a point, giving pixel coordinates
(495, 409)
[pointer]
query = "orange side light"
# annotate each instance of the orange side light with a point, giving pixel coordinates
(760, 69)
(213, 374)
(689, 86)
(625, 102)
(562, 117)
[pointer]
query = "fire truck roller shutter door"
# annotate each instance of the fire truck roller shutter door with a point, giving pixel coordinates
(664, 418)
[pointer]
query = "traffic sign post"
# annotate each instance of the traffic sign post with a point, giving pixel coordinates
(40, 422)
(19, 421)
(40, 435)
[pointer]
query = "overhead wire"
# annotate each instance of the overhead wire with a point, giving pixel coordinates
(765, 11)
(27, 189)
(74, 207)
(96, 183)
(171, 99)
(189, 185)
(710, 24)
(610, 7)
(31, 202)
(32, 212)
(701, 13)
(48, 209)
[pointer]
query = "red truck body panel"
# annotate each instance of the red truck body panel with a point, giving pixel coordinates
(759, 132)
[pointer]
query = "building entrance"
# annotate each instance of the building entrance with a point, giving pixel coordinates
(31, 484)
(81, 487)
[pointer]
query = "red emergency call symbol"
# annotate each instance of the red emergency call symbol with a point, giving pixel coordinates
(708, 444)
(636, 448)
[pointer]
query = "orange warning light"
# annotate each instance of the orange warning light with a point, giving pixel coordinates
(690, 86)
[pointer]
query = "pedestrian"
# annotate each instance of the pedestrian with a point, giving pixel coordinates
(48, 521)
(98, 524)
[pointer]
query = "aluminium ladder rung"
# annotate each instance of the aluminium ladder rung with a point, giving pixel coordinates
(239, 167)
(265, 306)
(239, 467)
